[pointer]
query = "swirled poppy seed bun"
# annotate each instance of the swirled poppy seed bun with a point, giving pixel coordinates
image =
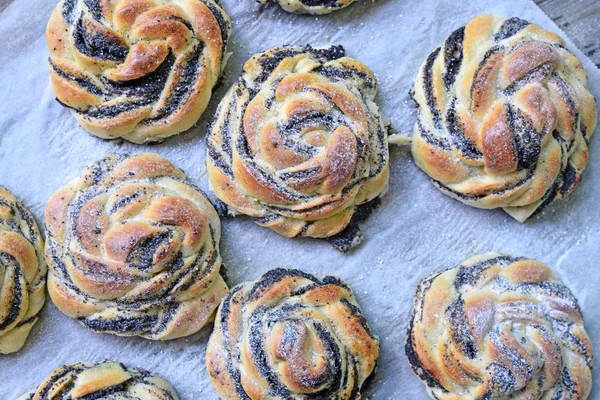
(22, 273)
(133, 249)
(505, 116)
(499, 327)
(103, 380)
(289, 335)
(140, 70)
(299, 145)
(316, 7)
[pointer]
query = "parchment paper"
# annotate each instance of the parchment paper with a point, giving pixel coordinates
(415, 231)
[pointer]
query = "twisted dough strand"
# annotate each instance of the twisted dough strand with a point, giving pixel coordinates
(316, 7)
(103, 380)
(499, 327)
(505, 116)
(22, 273)
(290, 335)
(133, 249)
(298, 143)
(137, 69)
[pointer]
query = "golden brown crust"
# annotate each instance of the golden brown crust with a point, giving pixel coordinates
(133, 249)
(505, 116)
(298, 142)
(316, 7)
(499, 327)
(290, 335)
(102, 380)
(22, 273)
(137, 69)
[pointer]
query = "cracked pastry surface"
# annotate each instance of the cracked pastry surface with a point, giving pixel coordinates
(310, 6)
(499, 327)
(133, 249)
(103, 380)
(290, 335)
(22, 273)
(298, 143)
(141, 70)
(505, 116)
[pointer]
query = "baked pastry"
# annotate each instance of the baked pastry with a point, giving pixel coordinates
(505, 116)
(316, 7)
(289, 335)
(298, 143)
(103, 380)
(133, 249)
(499, 327)
(22, 273)
(138, 69)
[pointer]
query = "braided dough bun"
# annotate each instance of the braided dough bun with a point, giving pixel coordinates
(499, 327)
(289, 335)
(142, 70)
(103, 380)
(133, 249)
(316, 7)
(22, 273)
(505, 116)
(298, 143)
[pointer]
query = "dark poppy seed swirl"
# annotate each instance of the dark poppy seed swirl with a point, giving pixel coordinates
(315, 7)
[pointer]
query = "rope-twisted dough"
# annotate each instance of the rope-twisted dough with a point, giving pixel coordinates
(22, 273)
(133, 249)
(289, 335)
(316, 7)
(499, 327)
(298, 143)
(137, 69)
(505, 116)
(103, 380)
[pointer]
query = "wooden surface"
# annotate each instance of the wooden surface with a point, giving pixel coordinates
(579, 19)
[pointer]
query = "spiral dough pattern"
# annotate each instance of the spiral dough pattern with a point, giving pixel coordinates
(499, 327)
(289, 335)
(310, 6)
(298, 143)
(103, 380)
(505, 117)
(133, 249)
(142, 70)
(22, 273)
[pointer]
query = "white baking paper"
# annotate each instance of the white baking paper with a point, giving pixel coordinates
(416, 230)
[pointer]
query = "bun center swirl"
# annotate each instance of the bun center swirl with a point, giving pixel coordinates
(298, 143)
(133, 249)
(289, 335)
(311, 134)
(301, 355)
